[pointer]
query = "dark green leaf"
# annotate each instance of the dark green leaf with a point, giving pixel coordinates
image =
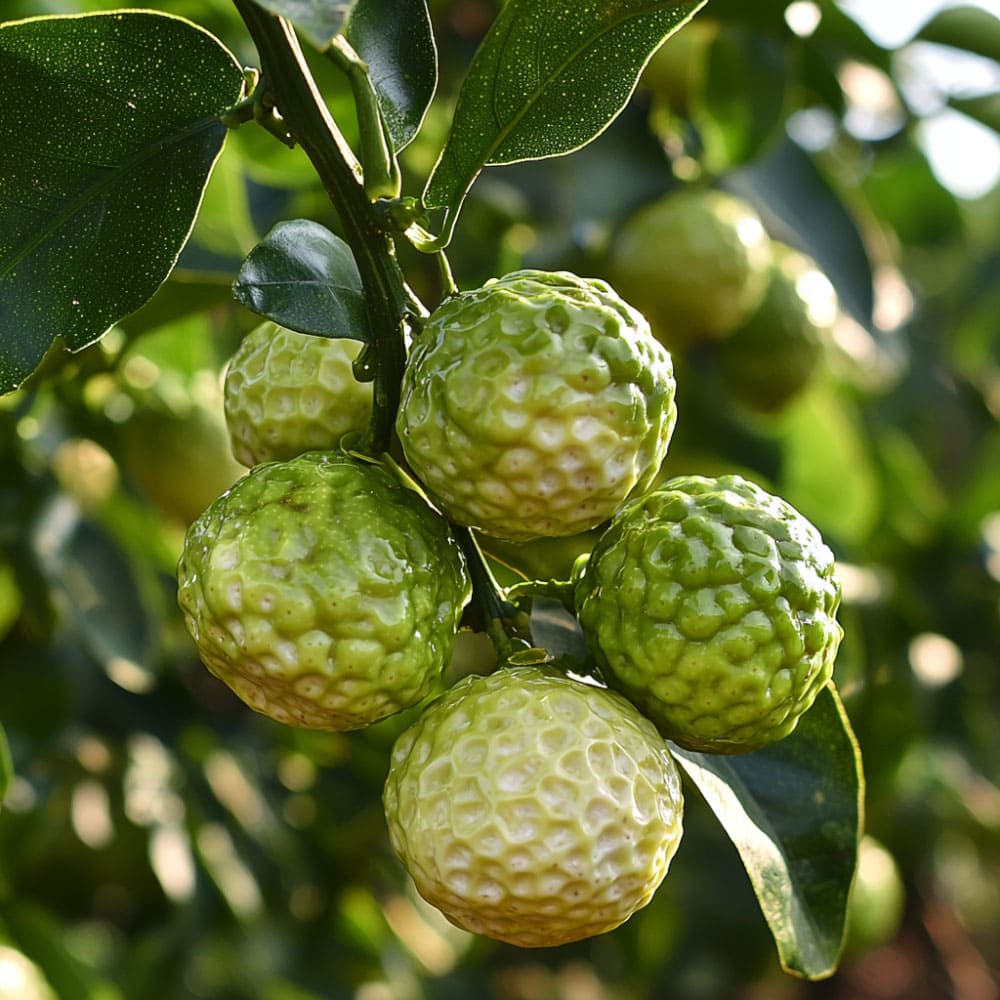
(970, 28)
(897, 181)
(396, 41)
(984, 108)
(95, 584)
(6, 767)
(108, 132)
(319, 20)
(304, 277)
(549, 76)
(793, 811)
(802, 208)
(741, 107)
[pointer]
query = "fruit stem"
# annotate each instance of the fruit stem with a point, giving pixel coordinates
(304, 113)
(382, 178)
(498, 618)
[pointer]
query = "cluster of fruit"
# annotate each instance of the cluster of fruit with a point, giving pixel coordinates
(533, 804)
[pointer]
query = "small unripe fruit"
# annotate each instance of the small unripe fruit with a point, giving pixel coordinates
(695, 262)
(773, 355)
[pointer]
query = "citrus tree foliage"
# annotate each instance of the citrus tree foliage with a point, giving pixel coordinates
(170, 178)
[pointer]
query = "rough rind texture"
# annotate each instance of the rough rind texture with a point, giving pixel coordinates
(287, 393)
(694, 262)
(533, 808)
(535, 405)
(774, 354)
(712, 605)
(323, 592)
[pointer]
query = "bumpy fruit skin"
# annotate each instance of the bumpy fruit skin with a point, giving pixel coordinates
(695, 262)
(535, 405)
(287, 393)
(712, 604)
(772, 357)
(533, 808)
(324, 593)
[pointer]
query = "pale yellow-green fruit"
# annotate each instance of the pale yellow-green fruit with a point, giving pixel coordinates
(695, 262)
(533, 808)
(536, 405)
(878, 897)
(175, 447)
(287, 393)
(323, 592)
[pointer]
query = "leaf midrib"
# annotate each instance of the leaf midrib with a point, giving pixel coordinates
(547, 81)
(95, 189)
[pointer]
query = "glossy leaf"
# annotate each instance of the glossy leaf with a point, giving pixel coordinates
(793, 811)
(970, 28)
(396, 41)
(104, 161)
(549, 77)
(319, 20)
(304, 277)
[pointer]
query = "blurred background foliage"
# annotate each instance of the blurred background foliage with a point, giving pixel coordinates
(158, 840)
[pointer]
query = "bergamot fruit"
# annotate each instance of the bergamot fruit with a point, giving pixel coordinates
(533, 808)
(174, 446)
(712, 604)
(772, 357)
(287, 393)
(323, 592)
(535, 405)
(695, 262)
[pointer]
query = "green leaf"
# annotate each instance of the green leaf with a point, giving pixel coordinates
(304, 277)
(549, 77)
(828, 470)
(970, 28)
(793, 811)
(6, 766)
(741, 108)
(96, 587)
(108, 133)
(396, 41)
(319, 20)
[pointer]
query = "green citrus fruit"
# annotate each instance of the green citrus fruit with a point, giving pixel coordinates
(878, 898)
(535, 405)
(711, 604)
(533, 808)
(773, 355)
(288, 392)
(676, 69)
(175, 446)
(695, 262)
(323, 592)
